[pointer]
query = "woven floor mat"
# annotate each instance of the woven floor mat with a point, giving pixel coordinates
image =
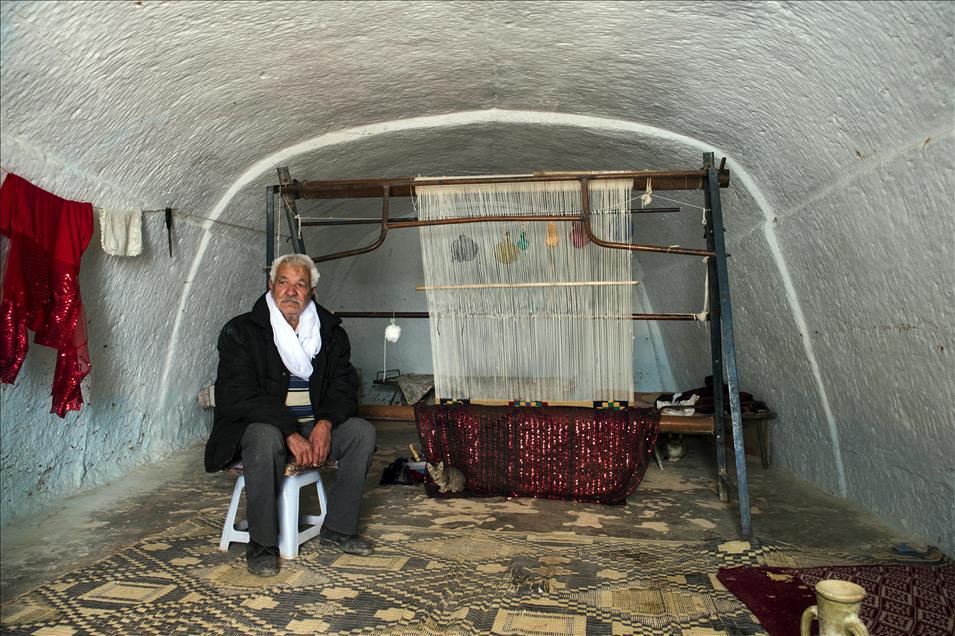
(419, 581)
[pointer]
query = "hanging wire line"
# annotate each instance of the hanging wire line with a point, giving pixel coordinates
(655, 195)
(180, 213)
(175, 211)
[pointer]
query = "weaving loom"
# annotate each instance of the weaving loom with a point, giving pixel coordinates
(532, 314)
(537, 313)
(530, 298)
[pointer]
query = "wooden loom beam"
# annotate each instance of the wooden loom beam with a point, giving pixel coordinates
(405, 186)
(425, 314)
(689, 425)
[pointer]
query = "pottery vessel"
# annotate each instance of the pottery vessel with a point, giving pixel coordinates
(837, 610)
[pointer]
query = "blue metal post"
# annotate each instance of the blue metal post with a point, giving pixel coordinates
(729, 346)
(716, 348)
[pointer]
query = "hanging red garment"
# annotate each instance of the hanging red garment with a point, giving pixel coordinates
(41, 290)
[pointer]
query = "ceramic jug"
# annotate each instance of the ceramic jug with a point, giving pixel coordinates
(836, 609)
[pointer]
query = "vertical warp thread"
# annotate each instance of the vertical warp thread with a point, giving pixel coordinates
(548, 343)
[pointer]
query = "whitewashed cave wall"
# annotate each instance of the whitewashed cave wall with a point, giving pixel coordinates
(836, 119)
(130, 304)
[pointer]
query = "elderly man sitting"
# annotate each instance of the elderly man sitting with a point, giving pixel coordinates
(285, 385)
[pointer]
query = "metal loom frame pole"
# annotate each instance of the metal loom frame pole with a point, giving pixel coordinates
(385, 207)
(716, 349)
(633, 247)
(269, 230)
(337, 222)
(405, 186)
(291, 212)
(583, 219)
(729, 347)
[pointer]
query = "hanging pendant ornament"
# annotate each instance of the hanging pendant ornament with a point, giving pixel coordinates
(522, 241)
(463, 249)
(392, 332)
(578, 236)
(506, 252)
(552, 238)
(647, 197)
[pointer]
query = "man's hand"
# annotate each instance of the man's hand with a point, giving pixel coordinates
(301, 449)
(321, 440)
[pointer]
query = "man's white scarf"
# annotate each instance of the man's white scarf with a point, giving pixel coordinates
(297, 347)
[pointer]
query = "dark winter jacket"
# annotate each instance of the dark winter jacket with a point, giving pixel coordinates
(252, 381)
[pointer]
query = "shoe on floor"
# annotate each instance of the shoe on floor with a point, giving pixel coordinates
(262, 560)
(351, 544)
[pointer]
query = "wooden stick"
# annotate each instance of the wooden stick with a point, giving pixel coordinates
(591, 283)
(425, 314)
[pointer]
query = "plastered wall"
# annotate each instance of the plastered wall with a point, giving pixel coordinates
(836, 119)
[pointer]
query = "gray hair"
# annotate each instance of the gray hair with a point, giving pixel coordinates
(295, 260)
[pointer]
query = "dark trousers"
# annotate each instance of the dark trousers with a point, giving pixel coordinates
(264, 456)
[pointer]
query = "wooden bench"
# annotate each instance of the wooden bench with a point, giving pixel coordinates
(686, 424)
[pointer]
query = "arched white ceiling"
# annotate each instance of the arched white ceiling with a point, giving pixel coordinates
(833, 117)
(169, 101)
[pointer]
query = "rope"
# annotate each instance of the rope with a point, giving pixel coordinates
(705, 313)
(295, 215)
(647, 197)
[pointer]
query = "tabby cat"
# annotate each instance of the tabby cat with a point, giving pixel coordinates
(446, 478)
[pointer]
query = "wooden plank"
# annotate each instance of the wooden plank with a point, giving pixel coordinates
(404, 186)
(390, 412)
(690, 425)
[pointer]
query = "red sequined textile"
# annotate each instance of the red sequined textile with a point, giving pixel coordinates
(553, 452)
(41, 289)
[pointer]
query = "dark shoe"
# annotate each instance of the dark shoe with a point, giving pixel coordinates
(262, 560)
(352, 544)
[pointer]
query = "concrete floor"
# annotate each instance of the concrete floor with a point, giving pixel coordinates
(677, 503)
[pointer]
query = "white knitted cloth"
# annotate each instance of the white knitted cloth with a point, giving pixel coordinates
(121, 232)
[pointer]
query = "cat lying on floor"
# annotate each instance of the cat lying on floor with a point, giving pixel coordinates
(446, 478)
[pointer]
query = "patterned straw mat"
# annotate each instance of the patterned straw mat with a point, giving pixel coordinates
(419, 581)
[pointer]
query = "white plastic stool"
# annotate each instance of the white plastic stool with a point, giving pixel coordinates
(290, 538)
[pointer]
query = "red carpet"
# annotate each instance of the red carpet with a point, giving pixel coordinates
(900, 599)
